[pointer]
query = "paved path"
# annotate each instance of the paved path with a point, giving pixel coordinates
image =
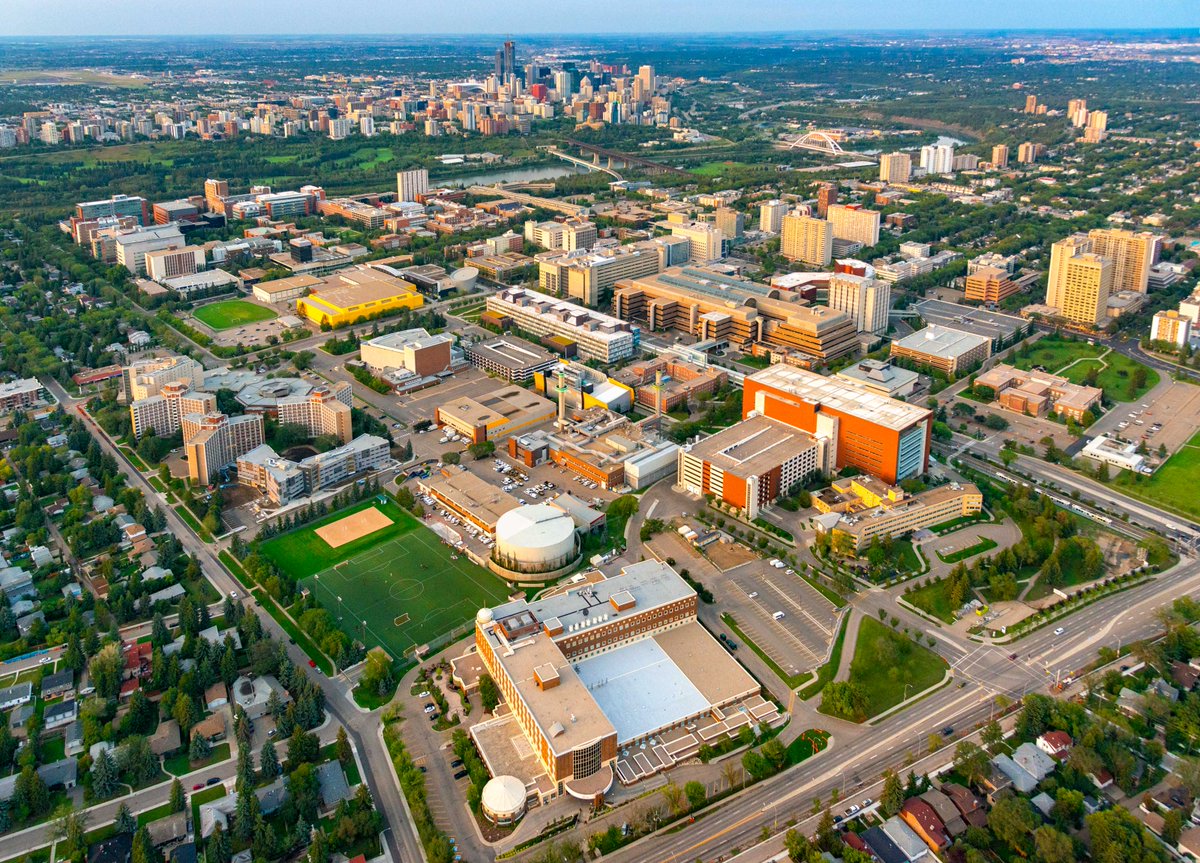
(847, 657)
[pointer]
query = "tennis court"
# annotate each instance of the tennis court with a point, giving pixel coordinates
(405, 590)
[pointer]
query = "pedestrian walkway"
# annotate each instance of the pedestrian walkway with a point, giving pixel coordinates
(851, 638)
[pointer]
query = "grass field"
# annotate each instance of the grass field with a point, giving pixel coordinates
(933, 599)
(1173, 486)
(1114, 373)
(887, 663)
(232, 313)
(716, 169)
(399, 573)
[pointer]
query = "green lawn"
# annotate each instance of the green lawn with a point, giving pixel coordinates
(717, 169)
(1173, 486)
(907, 558)
(398, 588)
(933, 599)
(980, 547)
(232, 313)
(179, 763)
(829, 670)
(1054, 352)
(887, 663)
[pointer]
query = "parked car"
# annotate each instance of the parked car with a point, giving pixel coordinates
(462, 774)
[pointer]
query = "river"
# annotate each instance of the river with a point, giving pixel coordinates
(513, 175)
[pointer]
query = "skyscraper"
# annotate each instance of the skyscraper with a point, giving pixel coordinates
(770, 215)
(1000, 156)
(895, 167)
(506, 61)
(1132, 255)
(1080, 281)
(852, 222)
(826, 197)
(865, 299)
(1031, 104)
(410, 184)
(806, 239)
(938, 158)
(646, 73)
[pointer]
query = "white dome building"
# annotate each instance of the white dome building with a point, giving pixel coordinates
(535, 540)
(464, 278)
(503, 800)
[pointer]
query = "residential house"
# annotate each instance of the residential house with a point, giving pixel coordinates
(215, 636)
(18, 718)
(882, 847)
(73, 739)
(60, 714)
(904, 838)
(1161, 688)
(1034, 761)
(166, 738)
(1044, 803)
(946, 811)
(1184, 676)
(1017, 777)
(13, 696)
(253, 693)
(138, 659)
(184, 853)
(116, 849)
(1176, 797)
(25, 623)
(924, 821)
(1055, 743)
(211, 728)
(216, 696)
(1129, 702)
(58, 684)
(155, 573)
(1189, 842)
(331, 780)
(167, 830)
(63, 773)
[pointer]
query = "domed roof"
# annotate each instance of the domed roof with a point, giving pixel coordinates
(503, 795)
(484, 616)
(533, 526)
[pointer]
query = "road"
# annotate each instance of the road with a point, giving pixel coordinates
(362, 728)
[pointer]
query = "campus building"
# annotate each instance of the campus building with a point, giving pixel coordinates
(869, 508)
(714, 307)
(883, 377)
(588, 277)
(469, 497)
(20, 394)
(163, 413)
(600, 446)
(807, 239)
(594, 335)
(145, 378)
(507, 411)
(213, 441)
(1036, 393)
(283, 480)
(133, 245)
(866, 300)
(413, 350)
(570, 234)
(1003, 330)
(323, 411)
(706, 242)
(562, 664)
(513, 360)
(884, 437)
(360, 294)
(989, 285)
(946, 350)
(751, 464)
(118, 206)
(168, 263)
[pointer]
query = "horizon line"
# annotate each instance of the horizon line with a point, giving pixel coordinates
(622, 33)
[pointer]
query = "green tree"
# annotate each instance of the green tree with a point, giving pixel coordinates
(1172, 827)
(268, 761)
(1052, 846)
(199, 749)
(1012, 820)
(124, 822)
(1118, 837)
(892, 796)
(489, 693)
(104, 776)
(69, 830)
(178, 800)
(218, 848)
(971, 761)
(695, 794)
(344, 753)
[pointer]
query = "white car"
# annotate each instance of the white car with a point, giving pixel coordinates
(1059, 631)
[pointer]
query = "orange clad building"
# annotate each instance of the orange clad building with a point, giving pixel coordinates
(881, 436)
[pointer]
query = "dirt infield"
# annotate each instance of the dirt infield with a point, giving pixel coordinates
(353, 527)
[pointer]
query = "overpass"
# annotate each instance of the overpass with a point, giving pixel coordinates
(616, 157)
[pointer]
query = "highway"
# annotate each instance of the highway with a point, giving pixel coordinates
(362, 728)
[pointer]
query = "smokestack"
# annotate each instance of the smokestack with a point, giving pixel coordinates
(658, 398)
(562, 401)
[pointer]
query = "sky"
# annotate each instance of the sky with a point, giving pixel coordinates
(170, 17)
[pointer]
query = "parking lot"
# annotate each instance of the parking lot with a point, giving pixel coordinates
(1170, 420)
(788, 619)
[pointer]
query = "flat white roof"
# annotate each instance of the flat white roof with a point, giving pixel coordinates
(640, 689)
(841, 394)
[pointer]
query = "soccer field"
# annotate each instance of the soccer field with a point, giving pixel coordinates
(399, 581)
(232, 313)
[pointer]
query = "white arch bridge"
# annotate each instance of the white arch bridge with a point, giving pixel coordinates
(820, 141)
